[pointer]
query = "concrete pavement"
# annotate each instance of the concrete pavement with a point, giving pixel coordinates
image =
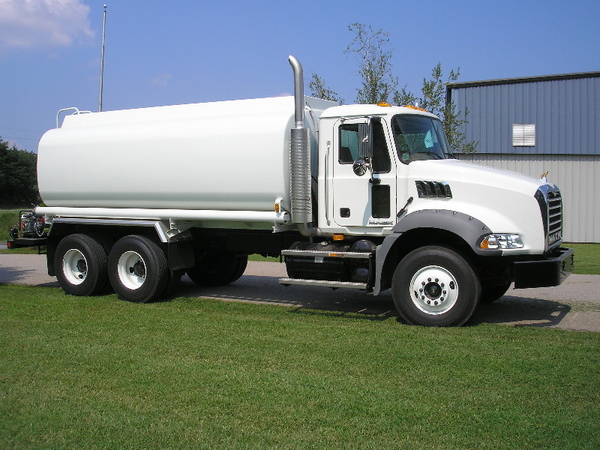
(575, 305)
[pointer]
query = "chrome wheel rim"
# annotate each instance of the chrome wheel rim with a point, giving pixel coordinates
(434, 290)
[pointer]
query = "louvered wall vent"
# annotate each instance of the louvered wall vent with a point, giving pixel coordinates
(524, 135)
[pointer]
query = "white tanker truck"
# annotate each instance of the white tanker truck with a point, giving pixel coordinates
(363, 197)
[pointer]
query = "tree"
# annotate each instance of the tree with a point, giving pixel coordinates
(320, 90)
(18, 179)
(434, 90)
(374, 53)
(405, 97)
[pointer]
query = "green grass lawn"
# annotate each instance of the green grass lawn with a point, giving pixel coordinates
(102, 373)
(8, 220)
(587, 258)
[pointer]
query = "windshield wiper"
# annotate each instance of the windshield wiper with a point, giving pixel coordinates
(437, 155)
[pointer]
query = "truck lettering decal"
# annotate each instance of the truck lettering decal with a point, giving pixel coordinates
(381, 222)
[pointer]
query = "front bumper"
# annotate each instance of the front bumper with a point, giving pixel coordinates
(550, 271)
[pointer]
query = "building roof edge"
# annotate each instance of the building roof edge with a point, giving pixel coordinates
(566, 76)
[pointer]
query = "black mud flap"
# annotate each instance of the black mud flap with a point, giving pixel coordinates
(550, 271)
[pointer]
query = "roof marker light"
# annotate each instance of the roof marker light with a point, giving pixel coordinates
(415, 107)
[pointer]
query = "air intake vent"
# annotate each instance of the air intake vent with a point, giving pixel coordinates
(433, 189)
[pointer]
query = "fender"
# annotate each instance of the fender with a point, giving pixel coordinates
(470, 229)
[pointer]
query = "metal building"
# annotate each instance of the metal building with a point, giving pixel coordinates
(538, 124)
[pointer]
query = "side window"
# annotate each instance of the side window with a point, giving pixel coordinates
(348, 151)
(381, 155)
(349, 146)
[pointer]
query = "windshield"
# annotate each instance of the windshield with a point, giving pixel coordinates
(419, 138)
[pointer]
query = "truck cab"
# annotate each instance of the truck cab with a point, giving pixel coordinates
(390, 185)
(365, 165)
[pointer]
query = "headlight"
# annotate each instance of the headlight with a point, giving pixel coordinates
(501, 241)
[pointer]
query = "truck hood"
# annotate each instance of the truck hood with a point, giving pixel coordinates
(461, 173)
(504, 201)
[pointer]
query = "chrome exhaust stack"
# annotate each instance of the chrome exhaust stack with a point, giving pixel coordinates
(300, 182)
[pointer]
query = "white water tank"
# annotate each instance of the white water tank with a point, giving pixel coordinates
(231, 155)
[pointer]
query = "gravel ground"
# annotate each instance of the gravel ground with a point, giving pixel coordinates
(574, 305)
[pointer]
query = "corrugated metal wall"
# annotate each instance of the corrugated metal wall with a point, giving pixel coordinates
(566, 113)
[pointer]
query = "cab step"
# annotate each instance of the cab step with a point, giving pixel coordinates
(326, 254)
(323, 283)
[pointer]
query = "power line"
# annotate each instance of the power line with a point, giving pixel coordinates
(10, 138)
(21, 129)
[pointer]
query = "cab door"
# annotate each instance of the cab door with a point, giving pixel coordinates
(364, 175)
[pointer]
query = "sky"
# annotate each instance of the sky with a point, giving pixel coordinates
(186, 51)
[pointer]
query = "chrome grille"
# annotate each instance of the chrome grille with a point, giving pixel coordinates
(554, 213)
(551, 207)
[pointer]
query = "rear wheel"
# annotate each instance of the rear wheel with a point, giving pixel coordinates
(138, 269)
(173, 282)
(81, 265)
(435, 286)
(218, 269)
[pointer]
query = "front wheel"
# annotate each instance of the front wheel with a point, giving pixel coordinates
(138, 269)
(435, 286)
(490, 294)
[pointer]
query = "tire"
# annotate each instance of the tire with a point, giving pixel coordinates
(81, 265)
(489, 294)
(218, 269)
(173, 282)
(435, 286)
(138, 269)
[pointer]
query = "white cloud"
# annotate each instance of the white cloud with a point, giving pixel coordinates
(161, 80)
(43, 23)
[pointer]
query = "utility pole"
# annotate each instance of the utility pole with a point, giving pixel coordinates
(101, 90)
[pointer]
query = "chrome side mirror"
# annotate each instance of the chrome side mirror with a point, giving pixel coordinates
(361, 166)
